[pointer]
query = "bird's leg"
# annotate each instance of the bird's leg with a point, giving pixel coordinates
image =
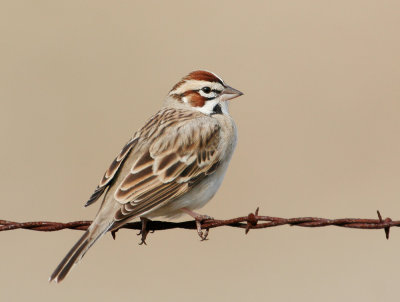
(144, 231)
(198, 218)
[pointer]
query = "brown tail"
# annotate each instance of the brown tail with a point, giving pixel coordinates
(76, 254)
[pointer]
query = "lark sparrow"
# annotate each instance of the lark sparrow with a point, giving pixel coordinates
(174, 164)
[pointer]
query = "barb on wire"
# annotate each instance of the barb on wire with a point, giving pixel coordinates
(249, 222)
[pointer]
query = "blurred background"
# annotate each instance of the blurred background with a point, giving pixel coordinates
(318, 136)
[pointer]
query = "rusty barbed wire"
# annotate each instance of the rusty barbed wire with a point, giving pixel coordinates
(249, 222)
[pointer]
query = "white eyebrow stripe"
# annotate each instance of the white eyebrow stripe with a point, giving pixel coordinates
(196, 85)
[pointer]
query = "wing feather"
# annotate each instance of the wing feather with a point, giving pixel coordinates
(177, 155)
(111, 172)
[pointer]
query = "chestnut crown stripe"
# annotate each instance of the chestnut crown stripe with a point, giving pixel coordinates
(199, 75)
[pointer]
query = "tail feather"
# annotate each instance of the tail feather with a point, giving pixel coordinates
(75, 254)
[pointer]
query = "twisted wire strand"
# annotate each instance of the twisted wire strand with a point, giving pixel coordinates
(251, 221)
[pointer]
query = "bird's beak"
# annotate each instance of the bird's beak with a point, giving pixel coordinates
(230, 93)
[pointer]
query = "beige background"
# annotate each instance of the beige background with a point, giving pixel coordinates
(318, 136)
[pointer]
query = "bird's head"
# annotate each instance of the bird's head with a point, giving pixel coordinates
(204, 91)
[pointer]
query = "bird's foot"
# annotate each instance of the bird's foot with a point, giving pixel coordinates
(144, 231)
(199, 218)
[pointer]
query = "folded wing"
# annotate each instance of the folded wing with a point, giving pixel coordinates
(178, 156)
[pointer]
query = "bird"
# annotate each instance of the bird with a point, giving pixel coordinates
(172, 166)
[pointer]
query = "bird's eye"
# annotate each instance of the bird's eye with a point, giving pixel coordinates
(206, 89)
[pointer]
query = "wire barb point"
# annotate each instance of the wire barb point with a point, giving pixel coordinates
(387, 220)
(252, 220)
